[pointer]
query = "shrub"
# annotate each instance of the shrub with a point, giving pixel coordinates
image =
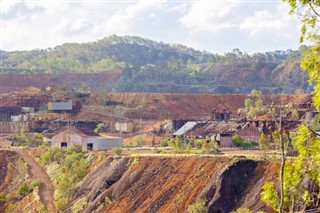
(187, 151)
(23, 189)
(164, 151)
(10, 208)
(237, 139)
(52, 154)
(101, 154)
(61, 203)
(206, 147)
(42, 208)
(139, 140)
(247, 144)
(178, 145)
(157, 151)
(80, 205)
(21, 164)
(136, 159)
(190, 142)
(117, 150)
(35, 184)
(74, 149)
(198, 207)
(3, 197)
(214, 145)
(242, 210)
(107, 201)
(34, 139)
(198, 143)
(164, 142)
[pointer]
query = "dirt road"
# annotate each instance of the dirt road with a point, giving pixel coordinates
(46, 190)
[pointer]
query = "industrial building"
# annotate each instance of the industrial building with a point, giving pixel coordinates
(88, 141)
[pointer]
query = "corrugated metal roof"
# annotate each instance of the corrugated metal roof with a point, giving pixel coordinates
(187, 126)
(214, 127)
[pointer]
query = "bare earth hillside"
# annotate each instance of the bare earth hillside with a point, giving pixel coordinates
(175, 106)
(14, 82)
(164, 184)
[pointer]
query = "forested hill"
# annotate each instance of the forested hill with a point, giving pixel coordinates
(149, 66)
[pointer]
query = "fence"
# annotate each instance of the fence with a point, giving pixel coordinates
(240, 148)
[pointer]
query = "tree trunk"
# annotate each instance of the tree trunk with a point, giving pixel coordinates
(283, 161)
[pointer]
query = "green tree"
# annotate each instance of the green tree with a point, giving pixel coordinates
(248, 103)
(315, 123)
(259, 103)
(264, 143)
(305, 141)
(296, 196)
(309, 14)
(190, 142)
(236, 138)
(178, 145)
(270, 196)
(99, 127)
(295, 114)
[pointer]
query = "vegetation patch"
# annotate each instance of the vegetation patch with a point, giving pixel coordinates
(80, 205)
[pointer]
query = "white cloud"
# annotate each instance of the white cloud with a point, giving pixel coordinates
(209, 16)
(58, 22)
(217, 26)
(277, 22)
(250, 26)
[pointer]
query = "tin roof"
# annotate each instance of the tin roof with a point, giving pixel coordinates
(214, 127)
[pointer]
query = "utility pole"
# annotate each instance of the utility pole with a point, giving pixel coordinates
(140, 142)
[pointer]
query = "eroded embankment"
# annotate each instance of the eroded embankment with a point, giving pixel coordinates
(18, 188)
(186, 106)
(157, 184)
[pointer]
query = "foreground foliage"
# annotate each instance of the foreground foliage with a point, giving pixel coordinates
(301, 176)
(66, 168)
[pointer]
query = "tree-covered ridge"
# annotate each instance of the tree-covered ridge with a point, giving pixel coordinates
(107, 53)
(147, 65)
(118, 51)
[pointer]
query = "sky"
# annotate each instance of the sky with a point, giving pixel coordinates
(211, 25)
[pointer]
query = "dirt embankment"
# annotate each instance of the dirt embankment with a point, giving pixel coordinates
(181, 106)
(13, 173)
(46, 190)
(154, 184)
(14, 82)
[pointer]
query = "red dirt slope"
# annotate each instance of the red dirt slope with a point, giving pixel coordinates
(183, 106)
(160, 184)
(14, 82)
